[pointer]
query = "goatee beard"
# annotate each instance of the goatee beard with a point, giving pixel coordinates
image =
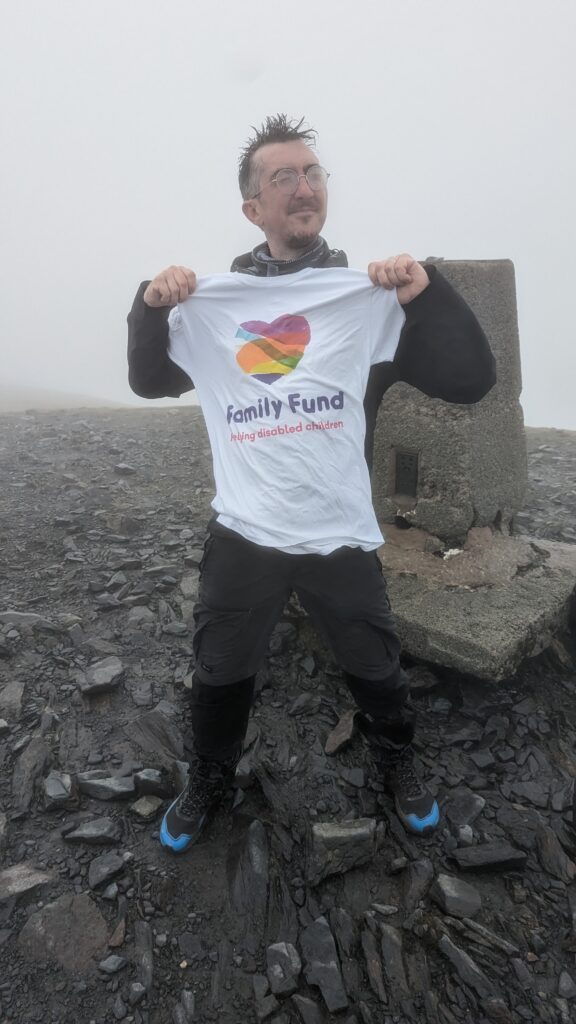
(302, 241)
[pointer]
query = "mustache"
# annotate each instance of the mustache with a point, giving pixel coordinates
(302, 207)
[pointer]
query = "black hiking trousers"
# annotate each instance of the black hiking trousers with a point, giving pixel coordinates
(244, 588)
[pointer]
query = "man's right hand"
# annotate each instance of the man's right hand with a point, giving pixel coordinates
(170, 286)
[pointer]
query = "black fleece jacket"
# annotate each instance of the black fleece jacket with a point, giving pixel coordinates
(442, 351)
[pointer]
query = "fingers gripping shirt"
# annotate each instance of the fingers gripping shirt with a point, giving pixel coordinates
(280, 366)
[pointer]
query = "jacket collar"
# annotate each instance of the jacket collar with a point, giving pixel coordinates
(260, 263)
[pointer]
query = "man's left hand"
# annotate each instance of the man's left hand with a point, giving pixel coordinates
(403, 273)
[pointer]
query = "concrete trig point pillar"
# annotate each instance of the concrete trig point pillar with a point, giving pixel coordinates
(459, 473)
(447, 467)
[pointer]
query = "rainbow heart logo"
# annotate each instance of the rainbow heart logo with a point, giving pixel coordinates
(272, 350)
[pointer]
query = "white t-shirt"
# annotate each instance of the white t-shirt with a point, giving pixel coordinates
(280, 366)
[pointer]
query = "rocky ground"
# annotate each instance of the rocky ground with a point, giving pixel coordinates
(308, 902)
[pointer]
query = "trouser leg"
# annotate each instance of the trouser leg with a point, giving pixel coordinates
(242, 594)
(220, 718)
(243, 590)
(346, 594)
(386, 708)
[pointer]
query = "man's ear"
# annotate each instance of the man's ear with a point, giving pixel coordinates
(251, 210)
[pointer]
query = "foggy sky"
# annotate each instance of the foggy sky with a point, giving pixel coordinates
(448, 129)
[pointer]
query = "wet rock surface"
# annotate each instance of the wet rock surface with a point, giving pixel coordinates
(101, 525)
(71, 930)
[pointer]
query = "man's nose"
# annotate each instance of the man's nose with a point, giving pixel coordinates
(303, 187)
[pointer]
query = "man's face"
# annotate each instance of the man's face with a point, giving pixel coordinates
(290, 223)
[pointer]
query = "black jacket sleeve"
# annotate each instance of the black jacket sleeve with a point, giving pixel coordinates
(442, 351)
(151, 372)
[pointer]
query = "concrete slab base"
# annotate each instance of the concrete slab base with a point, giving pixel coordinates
(481, 609)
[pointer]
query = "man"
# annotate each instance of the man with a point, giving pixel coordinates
(290, 355)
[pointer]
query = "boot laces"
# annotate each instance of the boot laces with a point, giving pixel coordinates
(207, 784)
(405, 775)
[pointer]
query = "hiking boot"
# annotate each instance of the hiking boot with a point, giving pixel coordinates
(391, 740)
(188, 815)
(415, 806)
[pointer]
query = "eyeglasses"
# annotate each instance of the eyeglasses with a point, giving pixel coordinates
(287, 180)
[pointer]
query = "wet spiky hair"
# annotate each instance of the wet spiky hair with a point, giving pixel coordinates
(278, 128)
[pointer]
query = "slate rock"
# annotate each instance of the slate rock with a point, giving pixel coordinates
(260, 986)
(521, 824)
(266, 1007)
(107, 602)
(391, 940)
(11, 699)
(176, 628)
(353, 777)
(96, 832)
(305, 704)
(418, 879)
(496, 1011)
(283, 968)
(70, 931)
(374, 965)
(103, 868)
(118, 580)
(139, 616)
(338, 846)
(113, 963)
(464, 806)
(101, 786)
(342, 733)
(144, 953)
(466, 968)
(102, 676)
(101, 646)
(346, 934)
(552, 857)
(490, 856)
(572, 909)
(20, 879)
(483, 759)
(188, 1001)
(563, 798)
(248, 876)
(522, 972)
(344, 928)
(155, 571)
(282, 913)
(146, 807)
(465, 835)
(536, 793)
(386, 909)
(59, 790)
(28, 770)
(136, 993)
(455, 897)
(189, 586)
(14, 618)
(119, 1008)
(309, 1012)
(566, 986)
(490, 937)
(322, 965)
(155, 733)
